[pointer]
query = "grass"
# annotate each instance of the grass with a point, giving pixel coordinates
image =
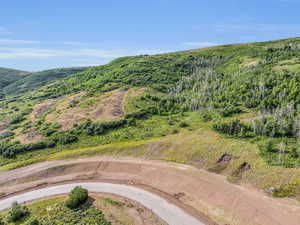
(97, 211)
(53, 211)
(154, 127)
(195, 145)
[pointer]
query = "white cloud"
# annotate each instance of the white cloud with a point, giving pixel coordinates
(14, 53)
(16, 42)
(75, 43)
(200, 44)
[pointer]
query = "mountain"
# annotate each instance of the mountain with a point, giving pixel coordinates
(38, 79)
(231, 109)
(8, 76)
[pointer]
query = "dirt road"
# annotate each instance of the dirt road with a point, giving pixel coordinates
(193, 190)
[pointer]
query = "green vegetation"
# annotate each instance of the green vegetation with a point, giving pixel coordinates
(8, 76)
(113, 202)
(17, 212)
(38, 79)
(32, 221)
(245, 95)
(54, 212)
(77, 197)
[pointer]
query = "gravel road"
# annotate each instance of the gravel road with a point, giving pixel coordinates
(165, 210)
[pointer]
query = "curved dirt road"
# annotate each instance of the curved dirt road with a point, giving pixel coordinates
(208, 197)
(165, 210)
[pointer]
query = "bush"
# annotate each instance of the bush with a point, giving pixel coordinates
(32, 221)
(233, 127)
(6, 134)
(206, 117)
(17, 212)
(11, 149)
(17, 119)
(1, 221)
(101, 127)
(47, 129)
(64, 138)
(77, 197)
(183, 124)
(229, 111)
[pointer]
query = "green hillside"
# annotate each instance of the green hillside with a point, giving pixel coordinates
(38, 79)
(8, 76)
(241, 101)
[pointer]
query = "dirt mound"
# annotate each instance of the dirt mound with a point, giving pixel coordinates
(222, 163)
(225, 158)
(238, 173)
(244, 167)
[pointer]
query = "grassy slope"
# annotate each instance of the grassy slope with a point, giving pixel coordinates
(54, 210)
(155, 137)
(38, 79)
(8, 76)
(196, 145)
(116, 210)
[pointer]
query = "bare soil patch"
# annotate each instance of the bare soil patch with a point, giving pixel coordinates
(42, 108)
(222, 163)
(252, 63)
(122, 211)
(29, 137)
(3, 126)
(74, 109)
(225, 158)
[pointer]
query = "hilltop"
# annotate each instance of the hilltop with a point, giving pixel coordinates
(8, 76)
(20, 84)
(232, 109)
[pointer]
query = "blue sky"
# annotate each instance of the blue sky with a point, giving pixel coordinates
(40, 34)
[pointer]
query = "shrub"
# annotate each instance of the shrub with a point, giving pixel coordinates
(17, 119)
(183, 124)
(229, 111)
(32, 221)
(64, 138)
(17, 212)
(77, 197)
(206, 117)
(101, 127)
(10, 149)
(233, 127)
(174, 131)
(1, 221)
(269, 147)
(287, 190)
(47, 129)
(6, 134)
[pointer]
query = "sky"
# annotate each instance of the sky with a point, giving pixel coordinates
(39, 34)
